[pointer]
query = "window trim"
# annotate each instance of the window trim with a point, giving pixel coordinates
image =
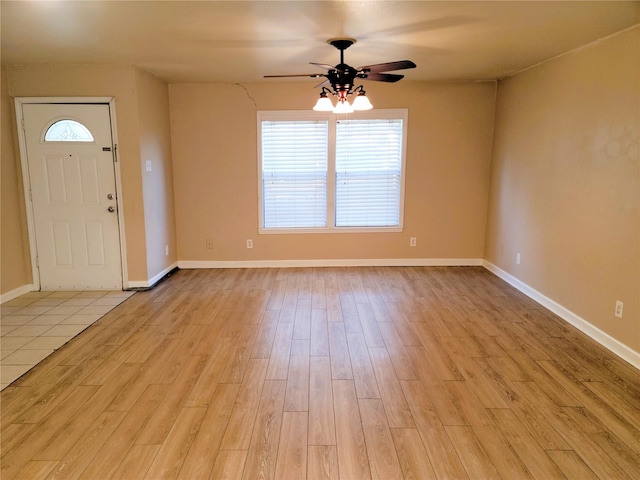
(331, 118)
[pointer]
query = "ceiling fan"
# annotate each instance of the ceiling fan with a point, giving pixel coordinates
(342, 79)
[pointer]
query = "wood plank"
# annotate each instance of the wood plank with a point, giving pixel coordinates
(263, 450)
(237, 435)
(229, 465)
(475, 459)
(334, 309)
(266, 334)
(628, 433)
(169, 460)
(292, 448)
(319, 333)
(340, 361)
(85, 449)
(353, 462)
(384, 463)
(137, 462)
(199, 461)
(395, 404)
(322, 462)
(322, 430)
(318, 298)
(161, 422)
(208, 375)
(442, 454)
(121, 441)
(279, 358)
(363, 375)
(236, 364)
(37, 469)
(492, 440)
(350, 316)
(571, 465)
(297, 393)
(527, 448)
(626, 458)
(397, 352)
(370, 326)
(412, 455)
(302, 321)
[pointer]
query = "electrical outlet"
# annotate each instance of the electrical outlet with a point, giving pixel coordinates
(209, 243)
(166, 250)
(518, 258)
(412, 241)
(619, 308)
(249, 243)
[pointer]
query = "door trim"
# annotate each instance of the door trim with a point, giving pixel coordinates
(26, 182)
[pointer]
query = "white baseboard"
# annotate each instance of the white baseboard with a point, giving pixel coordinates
(15, 293)
(347, 262)
(580, 323)
(136, 284)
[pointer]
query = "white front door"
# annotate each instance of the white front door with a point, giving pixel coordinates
(73, 195)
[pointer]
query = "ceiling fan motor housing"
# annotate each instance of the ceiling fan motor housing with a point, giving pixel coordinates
(342, 79)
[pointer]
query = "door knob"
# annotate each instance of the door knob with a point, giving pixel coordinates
(111, 209)
(110, 196)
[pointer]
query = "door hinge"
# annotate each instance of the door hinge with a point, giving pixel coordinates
(115, 152)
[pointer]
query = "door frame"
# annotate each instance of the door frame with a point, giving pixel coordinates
(26, 179)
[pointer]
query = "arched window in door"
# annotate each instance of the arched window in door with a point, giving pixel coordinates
(67, 131)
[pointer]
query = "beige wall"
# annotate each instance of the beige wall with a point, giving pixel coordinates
(120, 83)
(157, 185)
(566, 180)
(213, 130)
(15, 266)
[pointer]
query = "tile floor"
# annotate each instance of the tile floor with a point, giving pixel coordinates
(33, 325)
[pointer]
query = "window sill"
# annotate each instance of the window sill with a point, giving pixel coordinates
(296, 231)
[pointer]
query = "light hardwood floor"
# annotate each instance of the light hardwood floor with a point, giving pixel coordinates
(348, 373)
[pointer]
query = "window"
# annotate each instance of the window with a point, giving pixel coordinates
(321, 172)
(68, 131)
(294, 173)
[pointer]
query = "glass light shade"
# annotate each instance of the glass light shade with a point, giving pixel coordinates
(343, 107)
(324, 104)
(361, 102)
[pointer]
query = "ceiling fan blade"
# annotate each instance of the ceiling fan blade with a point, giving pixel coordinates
(381, 77)
(388, 67)
(326, 82)
(312, 75)
(326, 66)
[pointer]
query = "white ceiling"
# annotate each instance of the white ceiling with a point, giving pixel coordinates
(240, 41)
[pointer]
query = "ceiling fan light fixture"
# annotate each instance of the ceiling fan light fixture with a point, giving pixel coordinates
(343, 106)
(324, 104)
(361, 102)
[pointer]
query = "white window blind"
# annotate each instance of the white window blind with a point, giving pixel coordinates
(294, 174)
(322, 172)
(368, 172)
